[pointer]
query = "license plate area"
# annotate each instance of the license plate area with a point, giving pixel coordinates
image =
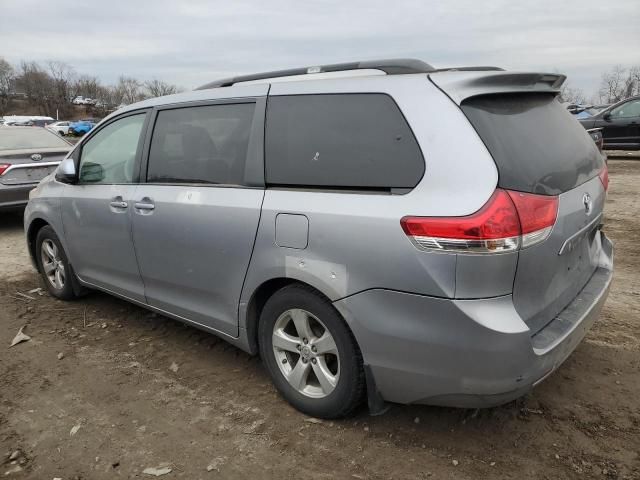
(580, 257)
(18, 176)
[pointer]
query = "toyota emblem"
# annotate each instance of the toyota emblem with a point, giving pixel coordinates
(588, 204)
(36, 157)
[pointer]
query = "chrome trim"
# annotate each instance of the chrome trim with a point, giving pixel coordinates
(29, 165)
(567, 245)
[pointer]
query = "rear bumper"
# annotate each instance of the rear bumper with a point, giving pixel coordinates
(466, 353)
(15, 196)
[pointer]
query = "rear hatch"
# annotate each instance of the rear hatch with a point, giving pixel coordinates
(30, 165)
(540, 148)
(28, 154)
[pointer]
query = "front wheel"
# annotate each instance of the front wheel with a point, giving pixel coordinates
(310, 353)
(54, 265)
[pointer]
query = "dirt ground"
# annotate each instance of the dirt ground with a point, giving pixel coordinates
(135, 390)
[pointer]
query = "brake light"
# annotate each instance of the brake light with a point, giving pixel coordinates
(3, 168)
(604, 177)
(508, 221)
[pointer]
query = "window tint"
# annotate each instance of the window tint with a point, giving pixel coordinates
(201, 144)
(342, 141)
(627, 110)
(536, 143)
(110, 155)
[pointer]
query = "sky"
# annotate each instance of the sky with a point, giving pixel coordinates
(190, 43)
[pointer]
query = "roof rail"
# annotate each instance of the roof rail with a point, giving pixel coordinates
(482, 68)
(395, 66)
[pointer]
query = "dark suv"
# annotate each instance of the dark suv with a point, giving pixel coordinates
(620, 124)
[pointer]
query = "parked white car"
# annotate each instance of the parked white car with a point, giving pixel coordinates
(61, 128)
(80, 100)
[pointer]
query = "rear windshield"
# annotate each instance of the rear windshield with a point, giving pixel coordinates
(16, 138)
(537, 145)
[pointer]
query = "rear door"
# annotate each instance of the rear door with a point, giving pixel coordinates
(195, 218)
(539, 148)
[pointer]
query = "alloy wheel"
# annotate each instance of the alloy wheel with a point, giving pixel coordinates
(306, 353)
(52, 264)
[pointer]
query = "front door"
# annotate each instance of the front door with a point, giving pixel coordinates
(96, 211)
(621, 129)
(195, 219)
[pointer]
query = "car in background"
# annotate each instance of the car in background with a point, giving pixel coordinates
(620, 124)
(80, 100)
(61, 128)
(80, 127)
(575, 108)
(27, 155)
(27, 120)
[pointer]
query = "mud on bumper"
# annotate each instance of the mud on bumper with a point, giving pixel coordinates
(465, 353)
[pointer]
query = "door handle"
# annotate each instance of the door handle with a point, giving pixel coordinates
(145, 204)
(118, 204)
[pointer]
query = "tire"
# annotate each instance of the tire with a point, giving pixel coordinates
(54, 266)
(338, 387)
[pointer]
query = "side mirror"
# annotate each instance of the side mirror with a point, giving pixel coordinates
(66, 172)
(92, 172)
(607, 116)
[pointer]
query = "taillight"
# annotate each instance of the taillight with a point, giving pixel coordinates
(508, 221)
(3, 168)
(537, 215)
(604, 177)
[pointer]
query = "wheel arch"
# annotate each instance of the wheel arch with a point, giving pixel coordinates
(259, 298)
(32, 233)
(256, 303)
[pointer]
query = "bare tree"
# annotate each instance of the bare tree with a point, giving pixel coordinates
(633, 85)
(36, 84)
(129, 90)
(109, 95)
(88, 86)
(158, 88)
(62, 78)
(572, 95)
(7, 77)
(619, 84)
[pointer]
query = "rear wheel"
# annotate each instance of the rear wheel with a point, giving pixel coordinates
(54, 265)
(310, 353)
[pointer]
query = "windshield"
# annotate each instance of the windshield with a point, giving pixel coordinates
(12, 138)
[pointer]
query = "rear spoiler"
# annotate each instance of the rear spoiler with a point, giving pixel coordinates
(460, 85)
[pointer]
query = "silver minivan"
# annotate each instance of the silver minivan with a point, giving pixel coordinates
(381, 231)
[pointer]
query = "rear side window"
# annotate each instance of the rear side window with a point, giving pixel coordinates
(537, 145)
(206, 144)
(359, 141)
